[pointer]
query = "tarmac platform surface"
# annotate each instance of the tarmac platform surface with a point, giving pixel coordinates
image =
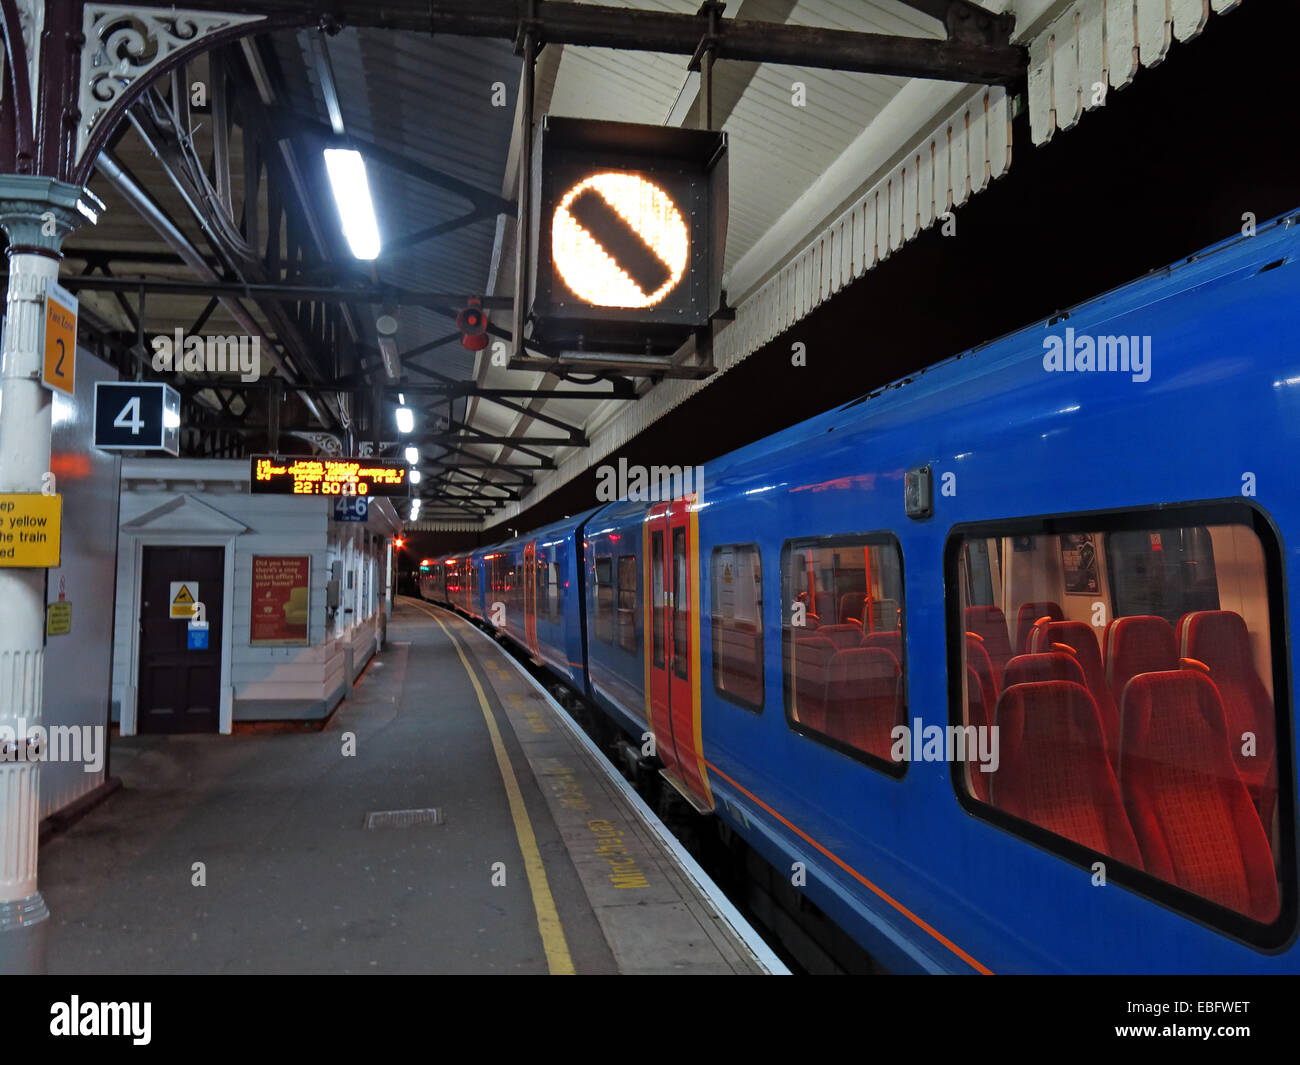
(543, 859)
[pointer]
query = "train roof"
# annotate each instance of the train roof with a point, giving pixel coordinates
(1015, 359)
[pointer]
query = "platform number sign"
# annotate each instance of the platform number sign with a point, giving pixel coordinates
(137, 416)
(60, 346)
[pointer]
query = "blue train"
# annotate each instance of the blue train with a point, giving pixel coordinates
(992, 663)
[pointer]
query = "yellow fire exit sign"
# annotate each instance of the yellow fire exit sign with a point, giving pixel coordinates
(31, 529)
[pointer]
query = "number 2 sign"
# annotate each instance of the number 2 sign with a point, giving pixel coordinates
(60, 339)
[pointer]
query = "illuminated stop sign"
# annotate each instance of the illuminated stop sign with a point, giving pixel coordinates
(619, 240)
(628, 233)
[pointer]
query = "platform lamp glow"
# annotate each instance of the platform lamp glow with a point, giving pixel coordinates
(347, 174)
(412, 455)
(405, 420)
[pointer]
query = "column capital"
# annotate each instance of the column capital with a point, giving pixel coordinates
(38, 212)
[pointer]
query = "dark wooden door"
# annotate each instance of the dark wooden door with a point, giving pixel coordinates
(180, 687)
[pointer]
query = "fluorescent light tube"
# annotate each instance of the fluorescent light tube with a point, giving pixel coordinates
(347, 174)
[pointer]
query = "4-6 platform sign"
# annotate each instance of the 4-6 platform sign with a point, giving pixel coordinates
(137, 416)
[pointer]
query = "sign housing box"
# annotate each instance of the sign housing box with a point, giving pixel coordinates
(137, 416)
(687, 168)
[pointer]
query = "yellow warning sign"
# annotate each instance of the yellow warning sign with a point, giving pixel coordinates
(58, 618)
(184, 594)
(31, 527)
(60, 340)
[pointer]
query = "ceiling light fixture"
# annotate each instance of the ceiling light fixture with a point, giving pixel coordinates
(347, 174)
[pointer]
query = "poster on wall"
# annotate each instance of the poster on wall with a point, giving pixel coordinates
(281, 602)
(1079, 562)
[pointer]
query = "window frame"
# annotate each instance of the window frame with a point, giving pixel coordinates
(1268, 939)
(758, 707)
(873, 539)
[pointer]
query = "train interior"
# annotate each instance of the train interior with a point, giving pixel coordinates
(844, 640)
(1130, 676)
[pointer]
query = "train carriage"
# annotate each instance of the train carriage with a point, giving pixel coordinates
(994, 662)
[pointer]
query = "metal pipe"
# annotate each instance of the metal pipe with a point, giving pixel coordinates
(157, 217)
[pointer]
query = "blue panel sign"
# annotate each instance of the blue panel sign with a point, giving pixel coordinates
(351, 508)
(196, 636)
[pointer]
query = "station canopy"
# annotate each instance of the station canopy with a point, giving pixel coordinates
(220, 223)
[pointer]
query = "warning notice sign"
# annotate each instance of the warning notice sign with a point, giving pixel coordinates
(184, 594)
(281, 606)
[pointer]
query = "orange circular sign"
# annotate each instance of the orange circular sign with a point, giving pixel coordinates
(619, 240)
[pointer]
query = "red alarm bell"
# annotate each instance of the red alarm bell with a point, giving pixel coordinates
(472, 323)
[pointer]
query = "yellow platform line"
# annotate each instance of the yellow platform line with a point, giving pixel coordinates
(548, 918)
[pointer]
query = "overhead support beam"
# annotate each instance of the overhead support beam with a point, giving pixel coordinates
(545, 462)
(567, 23)
(151, 212)
(965, 21)
(282, 293)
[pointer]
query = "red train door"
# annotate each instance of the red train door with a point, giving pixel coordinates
(530, 599)
(672, 647)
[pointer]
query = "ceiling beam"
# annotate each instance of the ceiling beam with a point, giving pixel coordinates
(561, 22)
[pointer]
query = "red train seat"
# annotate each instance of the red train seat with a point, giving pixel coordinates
(812, 660)
(851, 607)
(1027, 615)
(1050, 665)
(1219, 638)
(1079, 638)
(1193, 818)
(845, 637)
(863, 699)
(977, 659)
(1141, 643)
(990, 625)
(978, 713)
(1054, 769)
(890, 641)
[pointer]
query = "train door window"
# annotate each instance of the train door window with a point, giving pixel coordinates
(736, 615)
(627, 602)
(1166, 572)
(1123, 698)
(604, 620)
(553, 590)
(681, 607)
(843, 658)
(657, 596)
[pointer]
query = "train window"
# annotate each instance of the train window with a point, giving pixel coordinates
(657, 597)
(681, 606)
(603, 623)
(736, 575)
(627, 602)
(844, 663)
(553, 590)
(1115, 701)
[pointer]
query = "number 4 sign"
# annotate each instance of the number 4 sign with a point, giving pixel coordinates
(60, 340)
(137, 416)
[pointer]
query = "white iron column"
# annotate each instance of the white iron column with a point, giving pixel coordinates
(36, 213)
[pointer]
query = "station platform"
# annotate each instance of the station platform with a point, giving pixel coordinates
(540, 858)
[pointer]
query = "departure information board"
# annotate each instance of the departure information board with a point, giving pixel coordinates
(300, 475)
